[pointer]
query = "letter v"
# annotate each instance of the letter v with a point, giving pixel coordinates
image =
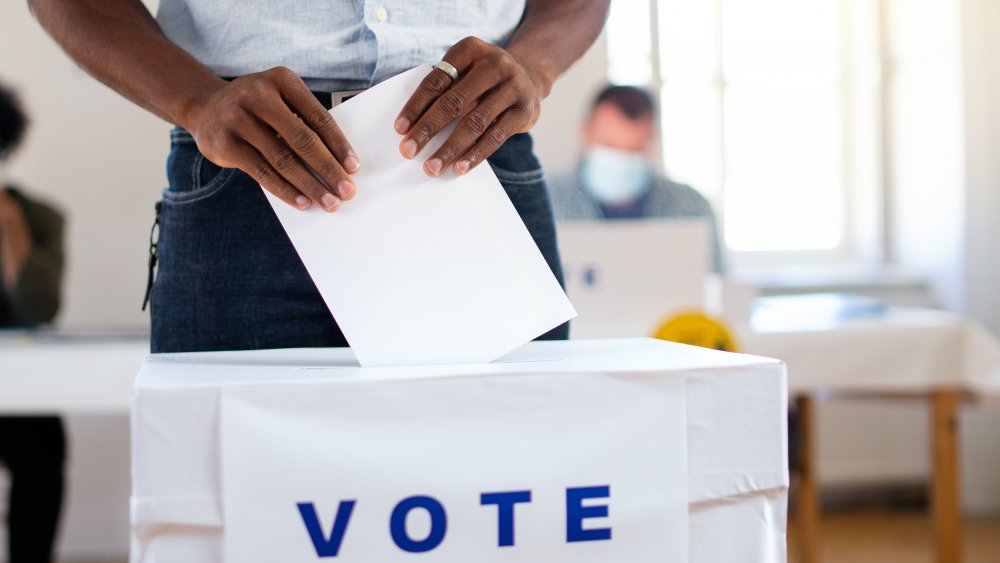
(326, 547)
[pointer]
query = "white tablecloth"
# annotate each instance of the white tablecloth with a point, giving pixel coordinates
(68, 372)
(903, 350)
(906, 350)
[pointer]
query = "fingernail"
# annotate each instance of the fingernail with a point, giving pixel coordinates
(402, 125)
(346, 189)
(302, 202)
(409, 148)
(329, 202)
(351, 164)
(434, 166)
(462, 167)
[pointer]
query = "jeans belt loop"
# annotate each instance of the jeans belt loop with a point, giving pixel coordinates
(337, 98)
(329, 100)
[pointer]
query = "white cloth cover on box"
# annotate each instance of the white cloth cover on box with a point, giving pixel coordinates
(735, 426)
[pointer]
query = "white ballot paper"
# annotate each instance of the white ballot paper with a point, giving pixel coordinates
(421, 270)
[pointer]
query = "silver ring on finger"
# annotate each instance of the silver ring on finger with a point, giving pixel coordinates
(448, 69)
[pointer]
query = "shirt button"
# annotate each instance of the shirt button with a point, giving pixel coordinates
(381, 15)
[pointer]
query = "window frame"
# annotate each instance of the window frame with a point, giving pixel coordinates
(864, 120)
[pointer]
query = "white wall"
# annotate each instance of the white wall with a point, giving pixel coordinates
(95, 523)
(981, 51)
(98, 157)
(981, 43)
(926, 143)
(557, 133)
(946, 183)
(945, 220)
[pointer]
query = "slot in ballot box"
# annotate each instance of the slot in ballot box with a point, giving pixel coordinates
(630, 450)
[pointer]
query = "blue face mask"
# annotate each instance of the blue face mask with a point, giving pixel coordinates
(615, 177)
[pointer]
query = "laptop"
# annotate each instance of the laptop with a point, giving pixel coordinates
(625, 278)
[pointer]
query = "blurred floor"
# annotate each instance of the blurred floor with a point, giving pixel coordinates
(876, 536)
(880, 535)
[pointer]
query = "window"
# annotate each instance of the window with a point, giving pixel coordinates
(771, 109)
(630, 47)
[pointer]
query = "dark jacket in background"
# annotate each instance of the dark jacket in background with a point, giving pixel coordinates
(35, 299)
(33, 448)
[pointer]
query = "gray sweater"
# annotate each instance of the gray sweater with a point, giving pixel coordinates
(666, 199)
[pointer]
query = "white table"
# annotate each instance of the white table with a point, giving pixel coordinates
(86, 377)
(904, 350)
(60, 372)
(936, 355)
(932, 355)
(67, 373)
(911, 350)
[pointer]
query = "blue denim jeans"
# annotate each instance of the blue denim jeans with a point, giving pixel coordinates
(229, 278)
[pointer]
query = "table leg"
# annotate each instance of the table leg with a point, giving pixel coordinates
(945, 488)
(807, 507)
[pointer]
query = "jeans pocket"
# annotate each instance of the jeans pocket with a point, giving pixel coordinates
(191, 176)
(519, 180)
(516, 165)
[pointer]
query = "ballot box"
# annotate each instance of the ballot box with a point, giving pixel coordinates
(631, 450)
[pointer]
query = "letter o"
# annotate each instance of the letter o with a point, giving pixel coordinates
(397, 524)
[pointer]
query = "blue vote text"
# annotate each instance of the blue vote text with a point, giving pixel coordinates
(582, 504)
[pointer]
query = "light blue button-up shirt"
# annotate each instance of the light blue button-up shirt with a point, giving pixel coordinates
(333, 44)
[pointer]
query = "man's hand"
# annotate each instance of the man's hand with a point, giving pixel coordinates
(15, 239)
(270, 126)
(495, 96)
(9, 209)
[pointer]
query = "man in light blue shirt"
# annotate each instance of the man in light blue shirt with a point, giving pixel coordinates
(332, 45)
(249, 84)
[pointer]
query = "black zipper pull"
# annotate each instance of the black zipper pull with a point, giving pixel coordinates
(154, 237)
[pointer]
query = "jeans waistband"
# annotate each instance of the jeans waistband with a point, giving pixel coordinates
(180, 135)
(329, 100)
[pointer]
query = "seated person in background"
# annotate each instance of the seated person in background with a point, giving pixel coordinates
(32, 448)
(615, 179)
